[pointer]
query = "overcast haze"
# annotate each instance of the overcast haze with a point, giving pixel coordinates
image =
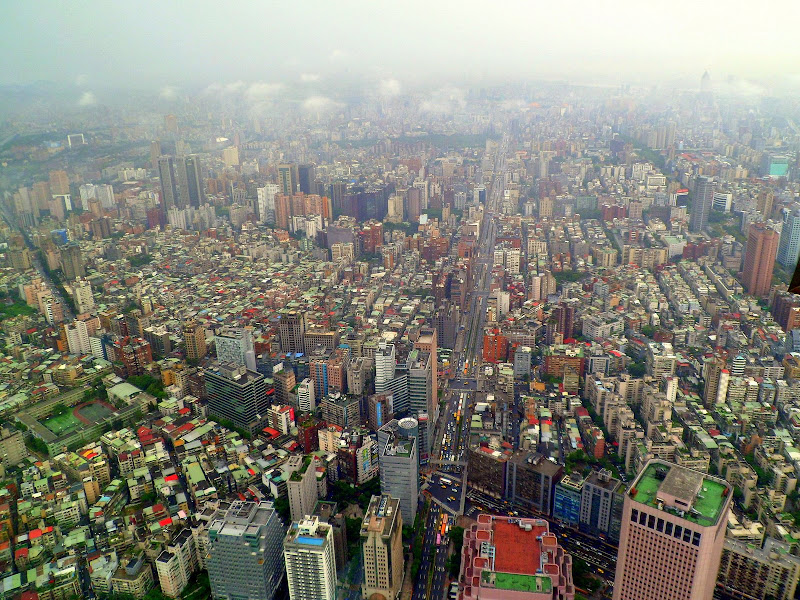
(188, 44)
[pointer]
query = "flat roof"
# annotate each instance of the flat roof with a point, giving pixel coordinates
(662, 483)
(516, 550)
(517, 582)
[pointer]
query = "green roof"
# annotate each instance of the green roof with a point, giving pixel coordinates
(706, 496)
(516, 582)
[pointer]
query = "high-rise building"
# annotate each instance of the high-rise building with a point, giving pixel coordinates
(757, 572)
(701, 204)
(245, 559)
(382, 549)
(82, 295)
(759, 259)
(715, 377)
(399, 472)
(292, 329)
(194, 338)
(673, 530)
(237, 394)
(420, 394)
(301, 486)
(12, 447)
(235, 345)
(308, 550)
(385, 363)
(59, 183)
(305, 395)
(265, 204)
(789, 245)
(509, 557)
(306, 178)
(379, 410)
(171, 124)
(428, 341)
(190, 181)
(177, 563)
(288, 179)
(72, 265)
(169, 186)
(601, 505)
(77, 338)
(155, 152)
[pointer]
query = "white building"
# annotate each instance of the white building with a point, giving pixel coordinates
(310, 560)
(305, 395)
(78, 338)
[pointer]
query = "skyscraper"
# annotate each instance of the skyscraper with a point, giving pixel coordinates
(288, 179)
(194, 338)
(310, 560)
(701, 204)
(399, 471)
(759, 259)
(245, 554)
(301, 486)
(673, 530)
(382, 548)
(237, 394)
(601, 505)
(235, 345)
(306, 177)
(72, 265)
(292, 329)
(420, 398)
(169, 187)
(190, 181)
(789, 245)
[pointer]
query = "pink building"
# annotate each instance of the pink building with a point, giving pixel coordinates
(673, 532)
(507, 558)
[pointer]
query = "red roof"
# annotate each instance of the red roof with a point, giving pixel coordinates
(165, 522)
(172, 477)
(516, 550)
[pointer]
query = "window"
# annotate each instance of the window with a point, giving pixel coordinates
(651, 521)
(678, 531)
(634, 515)
(687, 535)
(696, 539)
(668, 528)
(660, 525)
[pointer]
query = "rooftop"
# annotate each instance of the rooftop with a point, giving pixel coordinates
(516, 582)
(517, 550)
(669, 487)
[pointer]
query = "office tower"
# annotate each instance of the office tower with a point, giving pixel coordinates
(509, 557)
(288, 179)
(190, 181)
(194, 338)
(567, 497)
(301, 486)
(764, 203)
(305, 395)
(328, 513)
(601, 505)
(673, 531)
(237, 394)
(177, 563)
(382, 548)
(59, 183)
(716, 377)
(171, 123)
(72, 261)
(758, 572)
(235, 345)
(789, 245)
(701, 204)
(420, 383)
(284, 378)
(308, 551)
(564, 317)
(379, 410)
(385, 364)
(759, 259)
(245, 559)
(155, 152)
(428, 342)
(230, 156)
(292, 330)
(169, 187)
(12, 447)
(82, 295)
(265, 204)
(399, 472)
(306, 177)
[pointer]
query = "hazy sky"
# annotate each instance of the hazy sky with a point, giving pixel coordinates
(143, 43)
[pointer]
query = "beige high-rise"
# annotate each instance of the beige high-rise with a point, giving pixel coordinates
(382, 549)
(194, 336)
(673, 532)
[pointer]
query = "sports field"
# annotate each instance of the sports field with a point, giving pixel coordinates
(95, 411)
(61, 423)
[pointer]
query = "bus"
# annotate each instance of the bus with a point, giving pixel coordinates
(446, 481)
(438, 539)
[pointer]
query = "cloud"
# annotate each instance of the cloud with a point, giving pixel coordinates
(337, 55)
(309, 77)
(87, 99)
(445, 100)
(740, 87)
(168, 92)
(388, 88)
(227, 89)
(81, 79)
(261, 91)
(319, 104)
